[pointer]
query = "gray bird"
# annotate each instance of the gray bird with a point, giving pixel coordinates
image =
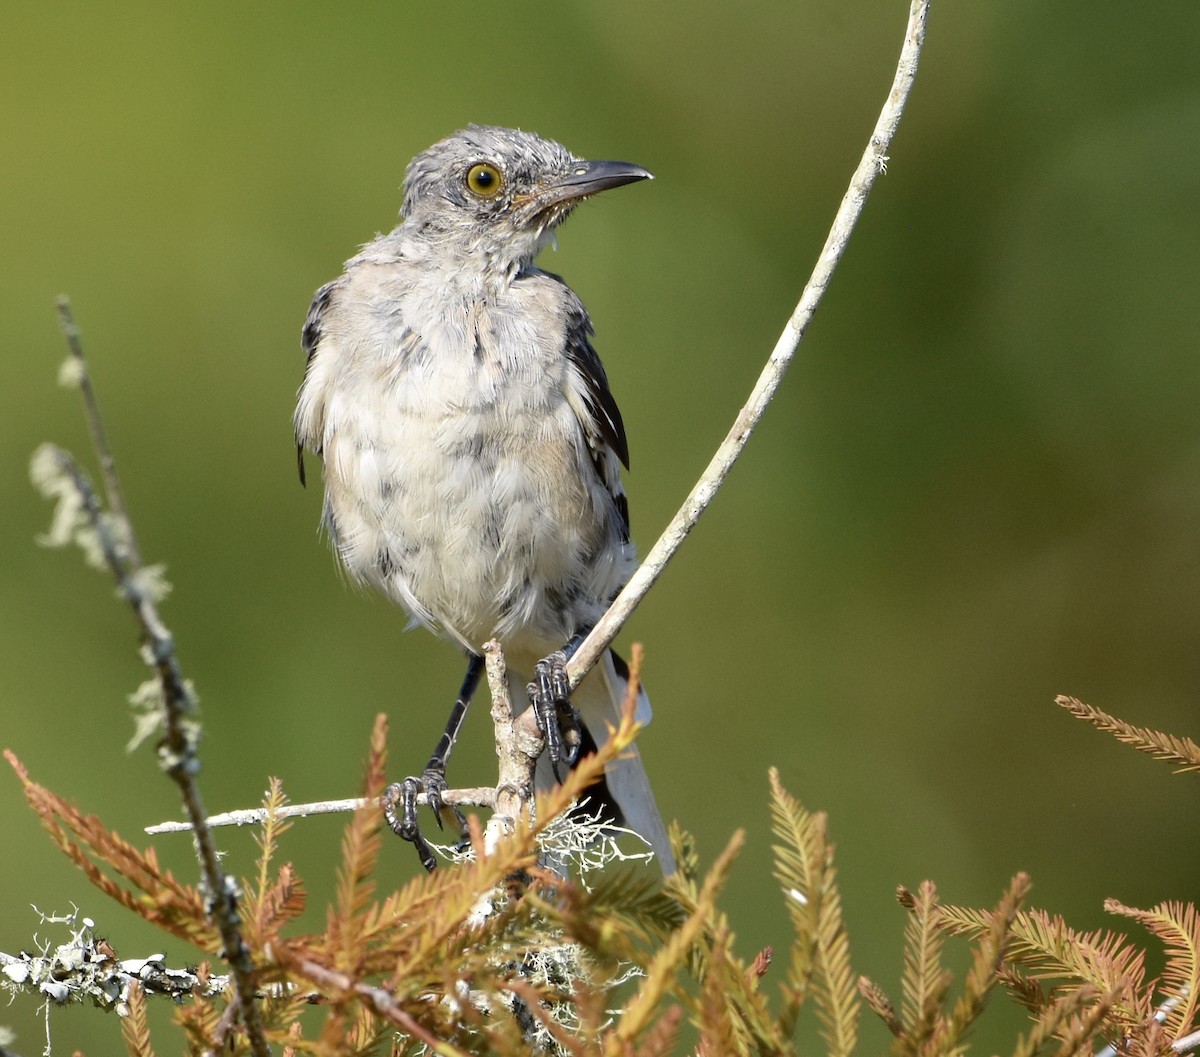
(471, 446)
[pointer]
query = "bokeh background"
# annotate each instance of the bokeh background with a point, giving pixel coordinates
(978, 488)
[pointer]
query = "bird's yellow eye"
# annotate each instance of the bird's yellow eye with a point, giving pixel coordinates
(484, 180)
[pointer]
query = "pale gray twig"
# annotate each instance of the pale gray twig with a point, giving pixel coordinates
(1187, 1044)
(78, 973)
(86, 968)
(874, 161)
(481, 796)
(519, 743)
(81, 377)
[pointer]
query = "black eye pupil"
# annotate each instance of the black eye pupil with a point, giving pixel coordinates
(484, 178)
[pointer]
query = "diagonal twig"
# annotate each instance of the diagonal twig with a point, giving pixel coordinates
(108, 466)
(874, 161)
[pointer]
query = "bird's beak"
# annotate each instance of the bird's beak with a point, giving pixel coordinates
(590, 177)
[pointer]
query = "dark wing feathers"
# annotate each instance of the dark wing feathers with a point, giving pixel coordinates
(310, 338)
(606, 424)
(583, 356)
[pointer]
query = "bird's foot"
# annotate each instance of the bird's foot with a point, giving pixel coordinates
(550, 696)
(400, 810)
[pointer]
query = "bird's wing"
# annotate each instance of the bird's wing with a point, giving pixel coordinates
(606, 414)
(602, 425)
(310, 410)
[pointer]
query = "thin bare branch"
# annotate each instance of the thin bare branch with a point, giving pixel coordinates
(874, 162)
(478, 796)
(519, 743)
(1188, 1044)
(81, 376)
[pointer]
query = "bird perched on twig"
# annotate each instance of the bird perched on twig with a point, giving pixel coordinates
(471, 445)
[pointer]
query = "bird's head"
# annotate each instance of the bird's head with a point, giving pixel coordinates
(501, 190)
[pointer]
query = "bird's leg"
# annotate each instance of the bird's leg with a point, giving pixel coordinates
(550, 696)
(433, 779)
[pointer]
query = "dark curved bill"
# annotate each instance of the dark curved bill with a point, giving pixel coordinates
(591, 177)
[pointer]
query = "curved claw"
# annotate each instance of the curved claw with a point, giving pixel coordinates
(434, 784)
(400, 810)
(569, 721)
(424, 851)
(433, 781)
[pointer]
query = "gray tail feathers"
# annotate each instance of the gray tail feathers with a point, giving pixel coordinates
(624, 795)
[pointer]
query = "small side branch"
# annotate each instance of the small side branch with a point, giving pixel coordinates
(874, 161)
(481, 796)
(381, 1001)
(1188, 1044)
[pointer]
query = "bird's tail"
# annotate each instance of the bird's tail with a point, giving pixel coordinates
(624, 796)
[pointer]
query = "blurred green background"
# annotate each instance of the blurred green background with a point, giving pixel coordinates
(978, 488)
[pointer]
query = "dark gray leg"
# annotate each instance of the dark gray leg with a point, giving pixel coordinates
(433, 779)
(550, 697)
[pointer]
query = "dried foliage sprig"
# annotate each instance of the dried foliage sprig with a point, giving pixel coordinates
(419, 967)
(986, 960)
(821, 952)
(925, 982)
(1183, 752)
(642, 1010)
(1177, 926)
(134, 1029)
(150, 891)
(1047, 950)
(1072, 1021)
(924, 1026)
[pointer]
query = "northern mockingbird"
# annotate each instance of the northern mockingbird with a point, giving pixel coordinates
(471, 445)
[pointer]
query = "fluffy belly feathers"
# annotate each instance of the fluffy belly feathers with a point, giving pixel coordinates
(479, 521)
